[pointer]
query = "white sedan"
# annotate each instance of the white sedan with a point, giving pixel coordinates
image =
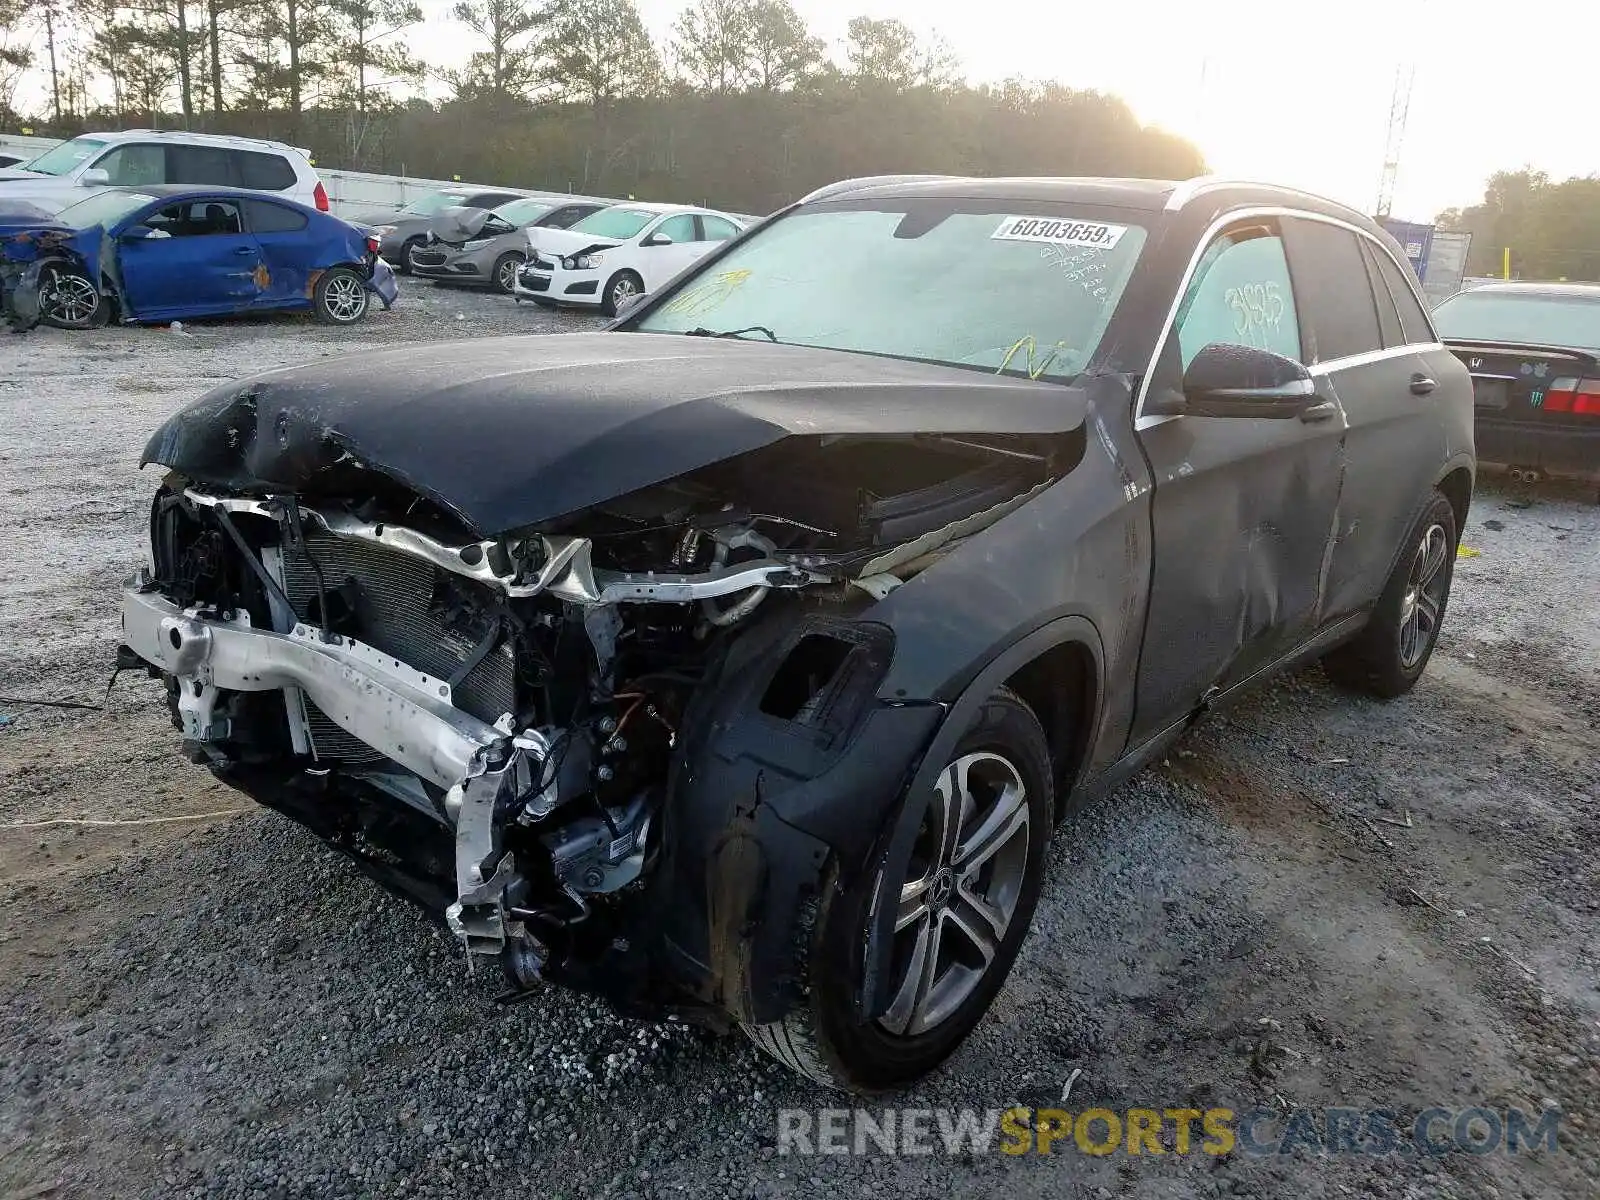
(618, 253)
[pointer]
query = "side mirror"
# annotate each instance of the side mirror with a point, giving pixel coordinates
(137, 233)
(659, 239)
(1227, 380)
(95, 177)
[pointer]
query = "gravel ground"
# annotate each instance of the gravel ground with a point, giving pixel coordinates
(1317, 900)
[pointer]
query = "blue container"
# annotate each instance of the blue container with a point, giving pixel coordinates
(1415, 240)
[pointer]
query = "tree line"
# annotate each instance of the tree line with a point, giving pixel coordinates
(741, 105)
(1552, 229)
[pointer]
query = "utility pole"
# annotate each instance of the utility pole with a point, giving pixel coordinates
(50, 41)
(1399, 108)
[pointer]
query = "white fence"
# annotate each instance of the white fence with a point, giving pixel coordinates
(349, 192)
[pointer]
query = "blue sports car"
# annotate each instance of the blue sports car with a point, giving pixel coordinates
(161, 253)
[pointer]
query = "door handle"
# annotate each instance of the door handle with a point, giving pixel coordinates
(245, 251)
(1326, 410)
(1422, 384)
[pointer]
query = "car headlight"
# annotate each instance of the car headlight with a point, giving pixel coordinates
(383, 230)
(476, 244)
(583, 262)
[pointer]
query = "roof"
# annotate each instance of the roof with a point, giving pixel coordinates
(193, 189)
(198, 139)
(1577, 291)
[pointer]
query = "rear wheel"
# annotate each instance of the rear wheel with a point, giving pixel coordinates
(1388, 657)
(964, 906)
(621, 288)
(505, 271)
(341, 297)
(69, 299)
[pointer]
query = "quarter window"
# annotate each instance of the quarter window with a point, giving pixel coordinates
(1337, 305)
(273, 218)
(1413, 320)
(1241, 294)
(718, 229)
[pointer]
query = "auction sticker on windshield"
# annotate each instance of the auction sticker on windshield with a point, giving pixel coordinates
(1058, 232)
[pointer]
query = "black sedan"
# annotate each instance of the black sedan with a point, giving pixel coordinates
(740, 661)
(1534, 353)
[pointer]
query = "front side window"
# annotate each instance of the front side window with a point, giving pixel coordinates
(136, 164)
(1540, 319)
(619, 223)
(1241, 295)
(680, 229)
(203, 219)
(65, 158)
(936, 280)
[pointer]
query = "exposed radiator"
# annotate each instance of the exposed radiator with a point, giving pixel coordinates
(396, 610)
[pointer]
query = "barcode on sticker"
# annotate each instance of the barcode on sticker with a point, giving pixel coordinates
(1059, 232)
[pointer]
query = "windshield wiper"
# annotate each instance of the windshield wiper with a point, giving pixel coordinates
(702, 331)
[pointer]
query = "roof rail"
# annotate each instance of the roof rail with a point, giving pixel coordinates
(868, 181)
(1188, 189)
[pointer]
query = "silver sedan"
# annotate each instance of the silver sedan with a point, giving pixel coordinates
(487, 249)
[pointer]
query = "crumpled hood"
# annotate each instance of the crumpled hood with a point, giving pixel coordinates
(510, 432)
(459, 224)
(560, 242)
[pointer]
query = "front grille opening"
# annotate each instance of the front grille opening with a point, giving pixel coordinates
(801, 683)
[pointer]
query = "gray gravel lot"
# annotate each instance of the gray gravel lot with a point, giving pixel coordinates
(1317, 900)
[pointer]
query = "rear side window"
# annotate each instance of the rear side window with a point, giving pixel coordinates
(718, 229)
(1388, 315)
(1241, 295)
(263, 172)
(201, 164)
(1336, 294)
(1413, 320)
(273, 218)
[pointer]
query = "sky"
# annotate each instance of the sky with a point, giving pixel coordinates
(1297, 92)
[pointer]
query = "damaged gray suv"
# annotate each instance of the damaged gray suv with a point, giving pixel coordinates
(740, 661)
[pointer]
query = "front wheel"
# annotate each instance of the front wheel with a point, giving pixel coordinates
(505, 271)
(622, 287)
(341, 297)
(964, 906)
(1388, 657)
(69, 300)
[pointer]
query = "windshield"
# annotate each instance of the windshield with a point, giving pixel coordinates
(103, 208)
(520, 212)
(1547, 320)
(619, 223)
(994, 291)
(58, 160)
(432, 205)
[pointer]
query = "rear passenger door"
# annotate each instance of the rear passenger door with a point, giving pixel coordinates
(1372, 355)
(1243, 507)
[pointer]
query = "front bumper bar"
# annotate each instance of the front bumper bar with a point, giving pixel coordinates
(401, 713)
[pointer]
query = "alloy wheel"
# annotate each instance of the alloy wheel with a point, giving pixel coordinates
(1424, 596)
(70, 299)
(507, 279)
(345, 298)
(966, 878)
(623, 290)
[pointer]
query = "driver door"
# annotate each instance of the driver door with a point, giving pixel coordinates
(1243, 507)
(196, 260)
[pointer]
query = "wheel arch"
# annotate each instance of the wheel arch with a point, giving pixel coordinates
(1456, 484)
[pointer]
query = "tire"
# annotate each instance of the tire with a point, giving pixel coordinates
(620, 287)
(65, 296)
(341, 297)
(1389, 655)
(411, 244)
(922, 1027)
(505, 271)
